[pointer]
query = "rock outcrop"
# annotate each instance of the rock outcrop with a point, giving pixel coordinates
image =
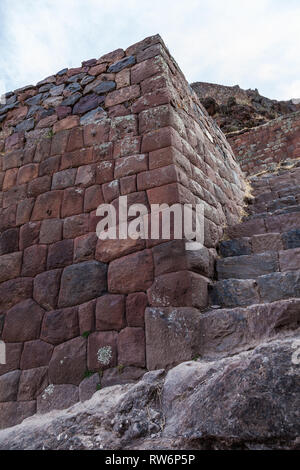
(247, 401)
(234, 108)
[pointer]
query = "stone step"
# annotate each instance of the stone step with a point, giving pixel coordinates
(267, 213)
(284, 221)
(260, 243)
(263, 289)
(232, 330)
(273, 206)
(248, 266)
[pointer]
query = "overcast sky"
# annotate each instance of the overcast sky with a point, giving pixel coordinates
(253, 43)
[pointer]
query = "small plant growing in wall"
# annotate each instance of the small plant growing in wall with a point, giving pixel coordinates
(86, 334)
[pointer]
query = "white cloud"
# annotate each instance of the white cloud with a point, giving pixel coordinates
(254, 44)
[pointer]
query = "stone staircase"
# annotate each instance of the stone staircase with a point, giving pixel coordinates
(261, 261)
(257, 287)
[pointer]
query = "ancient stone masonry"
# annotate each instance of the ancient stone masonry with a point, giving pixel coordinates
(72, 307)
(268, 146)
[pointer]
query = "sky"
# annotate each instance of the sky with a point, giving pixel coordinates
(252, 43)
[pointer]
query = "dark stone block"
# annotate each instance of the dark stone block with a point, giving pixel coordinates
(122, 64)
(291, 239)
(234, 293)
(235, 247)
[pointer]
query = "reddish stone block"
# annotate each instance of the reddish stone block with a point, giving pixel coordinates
(88, 387)
(67, 123)
(130, 145)
(59, 143)
(144, 44)
(14, 291)
(64, 179)
(10, 266)
(47, 206)
(86, 175)
(14, 141)
(9, 241)
(29, 234)
(135, 309)
(63, 111)
(13, 357)
(160, 138)
(132, 347)
(14, 195)
(96, 133)
(32, 383)
(93, 198)
(156, 98)
(123, 94)
(123, 78)
(86, 314)
(159, 116)
(75, 139)
(23, 322)
(102, 350)
(180, 289)
(123, 126)
(60, 398)
(60, 325)
(8, 218)
(170, 194)
(161, 176)
(10, 179)
(170, 257)
(84, 247)
(51, 231)
(76, 225)
(110, 312)
(35, 354)
(103, 151)
(119, 110)
(128, 185)
(13, 159)
(152, 51)
(131, 165)
(39, 186)
(132, 273)
(46, 288)
(147, 68)
(82, 282)
(111, 190)
(13, 413)
(49, 166)
(72, 203)
(60, 254)
(77, 158)
(68, 362)
(104, 172)
(111, 56)
(48, 121)
(34, 260)
(108, 250)
(97, 69)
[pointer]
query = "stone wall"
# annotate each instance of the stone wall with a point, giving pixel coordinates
(264, 147)
(72, 306)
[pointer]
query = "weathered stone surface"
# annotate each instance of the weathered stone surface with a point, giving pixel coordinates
(135, 309)
(68, 362)
(131, 273)
(60, 325)
(110, 312)
(57, 397)
(32, 383)
(82, 282)
(60, 254)
(9, 386)
(110, 249)
(86, 315)
(102, 350)
(36, 354)
(236, 247)
(23, 322)
(88, 387)
(235, 292)
(10, 266)
(289, 260)
(266, 242)
(247, 266)
(291, 239)
(198, 402)
(287, 286)
(121, 64)
(46, 288)
(131, 347)
(13, 413)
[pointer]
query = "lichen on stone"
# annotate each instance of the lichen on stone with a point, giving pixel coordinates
(104, 355)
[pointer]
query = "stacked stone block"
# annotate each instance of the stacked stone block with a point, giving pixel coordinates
(266, 147)
(72, 307)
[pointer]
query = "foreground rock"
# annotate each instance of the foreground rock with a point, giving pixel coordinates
(248, 401)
